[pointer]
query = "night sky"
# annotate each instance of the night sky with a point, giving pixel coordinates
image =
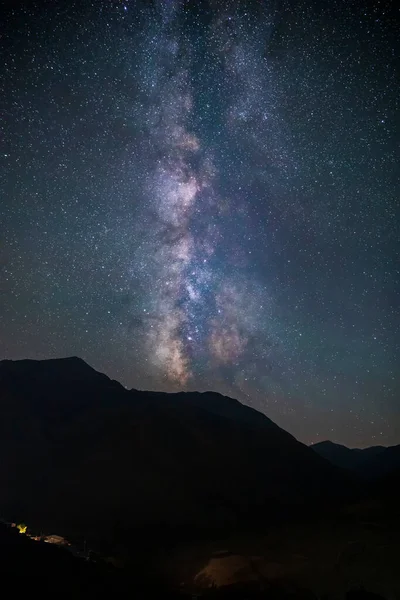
(204, 195)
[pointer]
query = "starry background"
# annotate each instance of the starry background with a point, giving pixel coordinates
(203, 195)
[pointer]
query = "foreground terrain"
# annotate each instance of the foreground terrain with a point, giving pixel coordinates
(190, 493)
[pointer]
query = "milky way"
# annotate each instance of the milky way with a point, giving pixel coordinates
(202, 195)
(199, 312)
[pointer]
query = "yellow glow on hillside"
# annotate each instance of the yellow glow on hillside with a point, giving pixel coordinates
(22, 527)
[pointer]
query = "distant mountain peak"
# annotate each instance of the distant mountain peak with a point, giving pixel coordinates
(328, 443)
(367, 462)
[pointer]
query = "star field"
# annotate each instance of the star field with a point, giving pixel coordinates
(204, 195)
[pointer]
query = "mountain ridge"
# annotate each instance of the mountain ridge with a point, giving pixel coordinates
(369, 463)
(87, 455)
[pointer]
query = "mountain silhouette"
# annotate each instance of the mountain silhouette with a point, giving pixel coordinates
(83, 455)
(369, 463)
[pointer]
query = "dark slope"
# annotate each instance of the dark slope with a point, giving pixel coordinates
(376, 461)
(217, 404)
(388, 488)
(85, 455)
(346, 458)
(27, 567)
(382, 464)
